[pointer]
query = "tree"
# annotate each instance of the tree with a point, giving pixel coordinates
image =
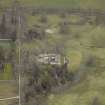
(2, 58)
(100, 20)
(64, 27)
(90, 61)
(63, 15)
(15, 12)
(98, 40)
(96, 101)
(3, 24)
(43, 18)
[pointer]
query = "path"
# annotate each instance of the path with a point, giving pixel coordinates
(3, 99)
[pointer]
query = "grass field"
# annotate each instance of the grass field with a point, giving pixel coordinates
(81, 94)
(97, 4)
(7, 90)
(8, 70)
(66, 3)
